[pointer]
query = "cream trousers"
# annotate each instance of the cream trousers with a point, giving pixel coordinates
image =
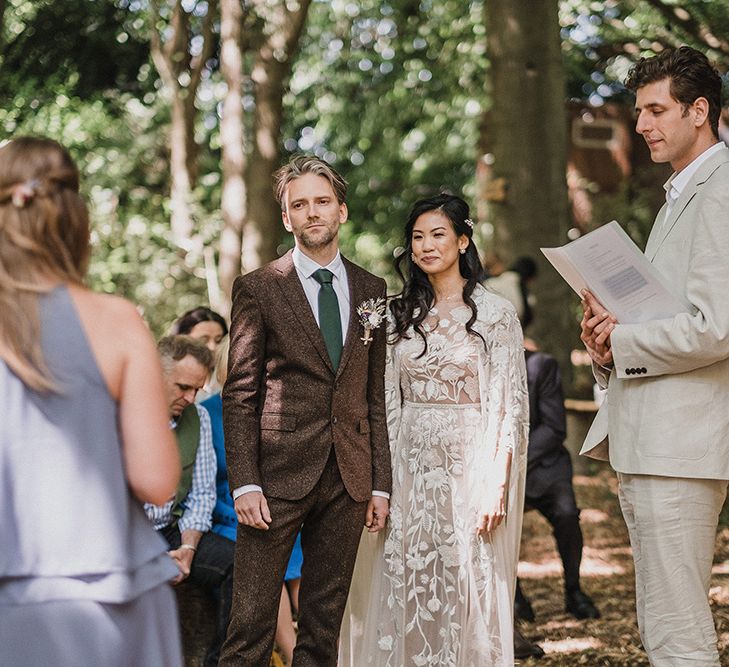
(672, 524)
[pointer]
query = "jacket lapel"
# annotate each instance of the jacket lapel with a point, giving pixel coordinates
(657, 237)
(355, 298)
(293, 292)
(652, 244)
(667, 225)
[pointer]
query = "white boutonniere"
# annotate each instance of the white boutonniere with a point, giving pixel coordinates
(371, 316)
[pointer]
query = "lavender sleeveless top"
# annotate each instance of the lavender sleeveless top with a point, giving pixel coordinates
(70, 527)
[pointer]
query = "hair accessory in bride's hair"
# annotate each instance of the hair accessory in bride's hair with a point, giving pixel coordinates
(469, 222)
(22, 193)
(371, 315)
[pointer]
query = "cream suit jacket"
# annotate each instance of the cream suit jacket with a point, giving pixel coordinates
(667, 406)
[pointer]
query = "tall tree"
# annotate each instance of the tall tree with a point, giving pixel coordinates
(234, 159)
(280, 25)
(525, 144)
(262, 35)
(180, 61)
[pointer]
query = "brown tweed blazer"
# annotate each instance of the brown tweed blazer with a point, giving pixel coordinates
(284, 406)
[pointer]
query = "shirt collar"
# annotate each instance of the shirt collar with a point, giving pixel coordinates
(306, 266)
(675, 185)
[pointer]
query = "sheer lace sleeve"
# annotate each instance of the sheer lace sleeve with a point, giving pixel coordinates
(507, 399)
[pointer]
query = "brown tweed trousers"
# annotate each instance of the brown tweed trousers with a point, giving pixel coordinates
(316, 441)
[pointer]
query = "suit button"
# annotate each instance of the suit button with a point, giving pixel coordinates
(643, 370)
(628, 371)
(334, 420)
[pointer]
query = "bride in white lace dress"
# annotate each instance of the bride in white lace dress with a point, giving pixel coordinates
(437, 587)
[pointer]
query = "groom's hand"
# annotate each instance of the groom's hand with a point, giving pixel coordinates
(252, 510)
(378, 509)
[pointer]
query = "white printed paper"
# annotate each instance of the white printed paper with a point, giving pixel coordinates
(610, 265)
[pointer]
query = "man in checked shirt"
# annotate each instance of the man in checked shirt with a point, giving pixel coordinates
(185, 520)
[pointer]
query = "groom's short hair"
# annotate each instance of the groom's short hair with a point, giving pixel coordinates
(299, 165)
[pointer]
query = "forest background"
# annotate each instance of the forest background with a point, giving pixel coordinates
(179, 111)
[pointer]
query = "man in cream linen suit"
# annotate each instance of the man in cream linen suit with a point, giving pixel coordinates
(668, 380)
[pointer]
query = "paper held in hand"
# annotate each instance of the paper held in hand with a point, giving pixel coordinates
(610, 265)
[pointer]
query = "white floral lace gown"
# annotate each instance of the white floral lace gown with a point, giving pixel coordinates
(435, 593)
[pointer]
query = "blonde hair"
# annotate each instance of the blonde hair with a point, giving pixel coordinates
(221, 361)
(44, 238)
(299, 165)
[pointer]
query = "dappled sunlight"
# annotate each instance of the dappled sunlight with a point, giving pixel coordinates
(550, 567)
(567, 623)
(571, 645)
(607, 576)
(597, 567)
(592, 516)
(719, 595)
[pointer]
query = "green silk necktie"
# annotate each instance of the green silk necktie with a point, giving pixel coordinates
(330, 322)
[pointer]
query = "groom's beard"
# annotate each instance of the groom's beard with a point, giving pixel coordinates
(313, 239)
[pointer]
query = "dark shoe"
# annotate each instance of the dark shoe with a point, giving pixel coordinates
(522, 607)
(523, 648)
(580, 605)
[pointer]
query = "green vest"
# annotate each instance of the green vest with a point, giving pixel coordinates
(188, 439)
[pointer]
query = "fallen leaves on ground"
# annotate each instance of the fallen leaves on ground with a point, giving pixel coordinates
(608, 577)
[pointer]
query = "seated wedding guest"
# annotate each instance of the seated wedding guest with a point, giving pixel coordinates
(549, 481)
(83, 440)
(208, 327)
(225, 522)
(203, 324)
(185, 520)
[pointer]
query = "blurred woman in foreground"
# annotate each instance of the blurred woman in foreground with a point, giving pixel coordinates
(84, 440)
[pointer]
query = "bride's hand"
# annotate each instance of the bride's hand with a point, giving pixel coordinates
(494, 512)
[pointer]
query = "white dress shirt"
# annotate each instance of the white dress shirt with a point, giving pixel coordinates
(679, 180)
(305, 268)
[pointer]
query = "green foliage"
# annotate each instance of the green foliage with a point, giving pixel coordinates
(77, 45)
(106, 110)
(391, 93)
(601, 39)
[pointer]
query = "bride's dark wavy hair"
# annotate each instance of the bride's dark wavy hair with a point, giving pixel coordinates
(411, 306)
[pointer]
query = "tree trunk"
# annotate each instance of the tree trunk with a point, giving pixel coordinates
(2, 19)
(172, 59)
(526, 145)
(180, 178)
(233, 202)
(262, 228)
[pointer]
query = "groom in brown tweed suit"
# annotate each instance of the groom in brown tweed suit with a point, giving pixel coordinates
(305, 428)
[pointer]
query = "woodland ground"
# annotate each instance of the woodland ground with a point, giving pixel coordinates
(607, 574)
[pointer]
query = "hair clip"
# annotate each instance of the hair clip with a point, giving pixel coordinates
(469, 222)
(22, 193)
